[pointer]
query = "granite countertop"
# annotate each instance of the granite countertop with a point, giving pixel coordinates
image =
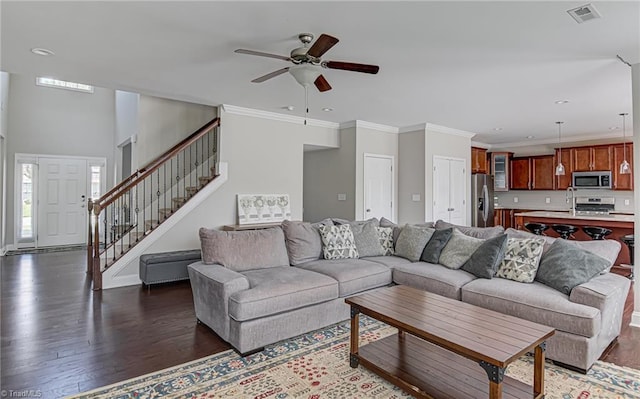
(614, 217)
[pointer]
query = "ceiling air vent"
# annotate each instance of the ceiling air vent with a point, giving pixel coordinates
(584, 13)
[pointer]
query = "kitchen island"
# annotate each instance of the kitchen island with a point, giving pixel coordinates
(620, 224)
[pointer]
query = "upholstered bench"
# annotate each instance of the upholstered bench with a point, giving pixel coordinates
(167, 266)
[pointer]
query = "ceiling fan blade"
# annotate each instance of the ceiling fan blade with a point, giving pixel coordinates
(322, 45)
(270, 75)
(351, 66)
(322, 84)
(261, 54)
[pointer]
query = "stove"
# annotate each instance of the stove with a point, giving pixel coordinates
(594, 205)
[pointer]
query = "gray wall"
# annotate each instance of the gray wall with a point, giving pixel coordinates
(4, 116)
(411, 167)
(163, 123)
(328, 173)
(57, 122)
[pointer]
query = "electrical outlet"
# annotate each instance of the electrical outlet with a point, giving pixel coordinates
(515, 199)
(415, 197)
(547, 200)
(626, 202)
(342, 197)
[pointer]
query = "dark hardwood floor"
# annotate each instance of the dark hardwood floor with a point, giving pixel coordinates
(60, 338)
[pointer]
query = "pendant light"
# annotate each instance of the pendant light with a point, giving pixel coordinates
(560, 166)
(625, 168)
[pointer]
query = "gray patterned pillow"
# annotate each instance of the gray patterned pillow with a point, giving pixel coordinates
(338, 242)
(412, 240)
(521, 259)
(458, 250)
(367, 239)
(385, 234)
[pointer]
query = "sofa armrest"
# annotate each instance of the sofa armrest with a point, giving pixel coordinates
(212, 285)
(608, 293)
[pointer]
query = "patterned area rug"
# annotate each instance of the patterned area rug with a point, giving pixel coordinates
(315, 366)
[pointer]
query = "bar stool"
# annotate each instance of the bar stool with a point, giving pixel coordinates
(536, 228)
(564, 230)
(628, 239)
(596, 233)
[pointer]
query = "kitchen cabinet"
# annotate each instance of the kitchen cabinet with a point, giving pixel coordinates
(500, 170)
(591, 158)
(532, 173)
(478, 160)
(564, 181)
(622, 182)
(503, 217)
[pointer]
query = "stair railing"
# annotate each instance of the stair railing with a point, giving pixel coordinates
(141, 202)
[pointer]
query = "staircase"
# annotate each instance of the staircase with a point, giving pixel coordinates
(133, 209)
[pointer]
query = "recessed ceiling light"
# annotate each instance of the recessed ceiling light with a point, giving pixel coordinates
(497, 129)
(42, 51)
(289, 107)
(530, 137)
(327, 109)
(562, 101)
(614, 128)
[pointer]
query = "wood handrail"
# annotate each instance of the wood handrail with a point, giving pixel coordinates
(152, 166)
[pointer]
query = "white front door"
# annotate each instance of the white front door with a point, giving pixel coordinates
(62, 211)
(378, 186)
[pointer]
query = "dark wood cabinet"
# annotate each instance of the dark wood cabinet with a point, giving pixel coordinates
(622, 182)
(478, 160)
(532, 173)
(500, 170)
(503, 217)
(591, 158)
(564, 181)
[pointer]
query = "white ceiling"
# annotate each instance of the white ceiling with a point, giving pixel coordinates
(473, 66)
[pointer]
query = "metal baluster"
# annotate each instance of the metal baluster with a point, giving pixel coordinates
(177, 178)
(184, 173)
(137, 214)
(122, 221)
(197, 163)
(158, 195)
(144, 210)
(164, 179)
(150, 203)
(208, 163)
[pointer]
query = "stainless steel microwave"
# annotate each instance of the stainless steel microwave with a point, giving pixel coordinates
(595, 179)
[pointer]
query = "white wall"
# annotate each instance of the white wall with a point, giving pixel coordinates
(4, 103)
(328, 173)
(57, 122)
(126, 120)
(163, 123)
(411, 177)
(4, 116)
(445, 145)
(369, 141)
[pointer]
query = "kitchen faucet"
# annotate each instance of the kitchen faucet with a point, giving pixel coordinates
(573, 199)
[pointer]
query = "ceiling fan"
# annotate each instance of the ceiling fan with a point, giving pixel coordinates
(308, 63)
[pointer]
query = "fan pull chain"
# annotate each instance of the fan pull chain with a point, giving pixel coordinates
(306, 103)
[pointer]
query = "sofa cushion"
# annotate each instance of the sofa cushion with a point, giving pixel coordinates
(367, 239)
(411, 241)
(433, 278)
(385, 235)
(458, 250)
(353, 275)
(338, 242)
(384, 222)
(278, 290)
(477, 232)
(565, 266)
(437, 242)
(608, 249)
(244, 250)
(484, 261)
(521, 259)
(303, 240)
(389, 261)
(534, 302)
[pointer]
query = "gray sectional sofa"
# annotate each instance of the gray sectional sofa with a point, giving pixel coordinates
(255, 288)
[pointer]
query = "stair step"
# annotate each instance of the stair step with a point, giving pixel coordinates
(204, 180)
(179, 201)
(165, 212)
(150, 224)
(191, 191)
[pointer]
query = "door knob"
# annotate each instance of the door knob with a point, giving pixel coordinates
(368, 210)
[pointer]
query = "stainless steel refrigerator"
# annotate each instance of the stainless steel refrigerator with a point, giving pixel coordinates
(482, 200)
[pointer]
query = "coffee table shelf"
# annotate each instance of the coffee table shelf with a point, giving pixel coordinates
(428, 371)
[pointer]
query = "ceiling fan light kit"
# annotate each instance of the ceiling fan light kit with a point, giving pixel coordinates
(560, 167)
(625, 168)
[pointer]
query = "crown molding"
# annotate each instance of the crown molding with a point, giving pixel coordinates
(567, 141)
(413, 128)
(448, 130)
(481, 145)
(369, 125)
(256, 113)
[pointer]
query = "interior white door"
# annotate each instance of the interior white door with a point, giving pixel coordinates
(449, 190)
(62, 212)
(378, 187)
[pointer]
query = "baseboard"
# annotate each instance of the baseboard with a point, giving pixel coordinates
(121, 281)
(635, 319)
(7, 248)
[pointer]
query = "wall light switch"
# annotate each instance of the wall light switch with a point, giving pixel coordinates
(626, 202)
(415, 197)
(547, 200)
(515, 199)
(342, 197)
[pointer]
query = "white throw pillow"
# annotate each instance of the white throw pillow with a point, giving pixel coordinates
(338, 242)
(521, 259)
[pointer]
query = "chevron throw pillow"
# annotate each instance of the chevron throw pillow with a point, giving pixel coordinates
(338, 242)
(521, 259)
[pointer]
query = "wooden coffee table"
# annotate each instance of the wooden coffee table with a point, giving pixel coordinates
(451, 346)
